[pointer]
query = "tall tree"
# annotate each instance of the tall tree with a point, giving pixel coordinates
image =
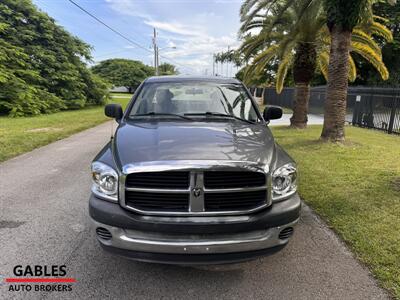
(342, 17)
(390, 16)
(123, 72)
(43, 67)
(232, 56)
(295, 36)
(20, 90)
(167, 69)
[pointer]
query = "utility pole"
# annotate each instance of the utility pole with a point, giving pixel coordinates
(213, 73)
(227, 65)
(158, 61)
(155, 47)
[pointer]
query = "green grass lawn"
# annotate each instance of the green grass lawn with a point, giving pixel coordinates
(121, 95)
(356, 188)
(20, 135)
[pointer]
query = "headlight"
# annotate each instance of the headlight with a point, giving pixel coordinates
(284, 181)
(105, 181)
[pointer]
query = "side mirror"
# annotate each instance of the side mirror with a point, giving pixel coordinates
(272, 113)
(114, 111)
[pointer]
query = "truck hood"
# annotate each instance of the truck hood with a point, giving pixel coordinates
(137, 142)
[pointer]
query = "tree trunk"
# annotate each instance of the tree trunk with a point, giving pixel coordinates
(300, 106)
(336, 92)
(303, 72)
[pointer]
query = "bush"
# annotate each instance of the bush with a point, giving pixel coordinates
(42, 67)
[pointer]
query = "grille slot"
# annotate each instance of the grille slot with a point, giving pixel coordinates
(151, 201)
(286, 233)
(232, 179)
(159, 180)
(234, 201)
(103, 233)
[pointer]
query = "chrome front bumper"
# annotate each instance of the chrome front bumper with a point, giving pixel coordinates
(133, 240)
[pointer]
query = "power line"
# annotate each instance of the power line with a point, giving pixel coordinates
(109, 27)
(114, 52)
(120, 34)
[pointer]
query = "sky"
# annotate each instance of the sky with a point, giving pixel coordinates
(195, 28)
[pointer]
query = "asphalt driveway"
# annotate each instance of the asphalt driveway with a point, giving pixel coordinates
(44, 221)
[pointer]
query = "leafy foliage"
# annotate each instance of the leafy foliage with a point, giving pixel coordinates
(233, 56)
(123, 72)
(42, 68)
(346, 14)
(390, 17)
(299, 28)
(167, 69)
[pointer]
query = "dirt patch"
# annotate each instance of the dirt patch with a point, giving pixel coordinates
(44, 129)
(396, 184)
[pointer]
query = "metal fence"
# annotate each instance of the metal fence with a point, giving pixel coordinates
(369, 107)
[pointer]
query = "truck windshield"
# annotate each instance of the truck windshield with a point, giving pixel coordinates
(194, 100)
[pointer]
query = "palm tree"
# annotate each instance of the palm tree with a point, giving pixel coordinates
(167, 69)
(296, 35)
(342, 17)
(231, 56)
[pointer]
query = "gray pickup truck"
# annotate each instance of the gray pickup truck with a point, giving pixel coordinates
(193, 176)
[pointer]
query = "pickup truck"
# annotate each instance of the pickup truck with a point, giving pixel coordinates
(193, 176)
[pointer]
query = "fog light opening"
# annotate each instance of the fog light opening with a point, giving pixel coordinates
(103, 233)
(286, 233)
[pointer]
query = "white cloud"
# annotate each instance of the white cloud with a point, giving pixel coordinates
(174, 28)
(196, 34)
(128, 7)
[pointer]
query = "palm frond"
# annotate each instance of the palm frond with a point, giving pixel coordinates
(381, 30)
(259, 63)
(372, 57)
(282, 71)
(248, 74)
(379, 18)
(251, 45)
(323, 63)
(352, 69)
(265, 57)
(251, 11)
(360, 36)
(288, 42)
(247, 6)
(259, 23)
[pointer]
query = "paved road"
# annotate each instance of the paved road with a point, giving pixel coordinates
(44, 220)
(312, 120)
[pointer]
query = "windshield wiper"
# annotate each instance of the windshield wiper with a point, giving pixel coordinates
(153, 113)
(216, 114)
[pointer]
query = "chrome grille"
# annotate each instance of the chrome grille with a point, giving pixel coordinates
(234, 201)
(157, 201)
(232, 179)
(195, 192)
(169, 180)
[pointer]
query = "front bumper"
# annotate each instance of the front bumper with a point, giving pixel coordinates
(192, 259)
(138, 241)
(278, 214)
(139, 237)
